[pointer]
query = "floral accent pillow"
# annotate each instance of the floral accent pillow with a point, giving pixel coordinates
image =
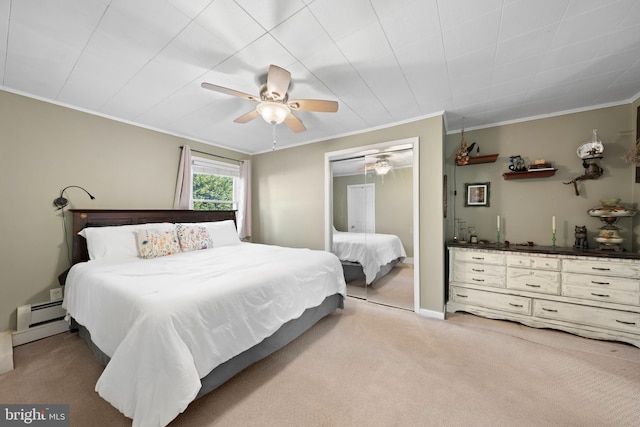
(154, 243)
(193, 237)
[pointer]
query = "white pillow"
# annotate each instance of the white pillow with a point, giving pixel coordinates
(222, 233)
(118, 241)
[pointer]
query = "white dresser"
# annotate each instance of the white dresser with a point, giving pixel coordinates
(592, 295)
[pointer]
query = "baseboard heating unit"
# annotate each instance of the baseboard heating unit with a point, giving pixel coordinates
(37, 321)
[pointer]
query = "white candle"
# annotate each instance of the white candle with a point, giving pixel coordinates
(553, 223)
(498, 222)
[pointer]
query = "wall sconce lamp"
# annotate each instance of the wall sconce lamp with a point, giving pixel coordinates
(591, 154)
(61, 202)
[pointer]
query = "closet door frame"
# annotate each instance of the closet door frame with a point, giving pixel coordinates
(372, 149)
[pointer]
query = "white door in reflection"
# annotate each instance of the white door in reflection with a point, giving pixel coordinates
(361, 213)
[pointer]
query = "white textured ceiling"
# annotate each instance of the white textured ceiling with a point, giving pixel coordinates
(385, 62)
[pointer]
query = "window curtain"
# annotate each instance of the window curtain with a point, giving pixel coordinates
(244, 200)
(182, 198)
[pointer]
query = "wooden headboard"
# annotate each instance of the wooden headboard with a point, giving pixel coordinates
(83, 218)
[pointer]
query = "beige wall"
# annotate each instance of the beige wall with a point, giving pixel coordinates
(526, 206)
(45, 148)
(288, 197)
(394, 203)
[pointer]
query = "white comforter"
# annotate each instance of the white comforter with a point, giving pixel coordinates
(167, 322)
(371, 250)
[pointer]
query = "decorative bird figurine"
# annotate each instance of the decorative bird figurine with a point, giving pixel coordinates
(471, 147)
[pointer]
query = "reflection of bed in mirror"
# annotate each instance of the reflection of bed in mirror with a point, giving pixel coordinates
(367, 255)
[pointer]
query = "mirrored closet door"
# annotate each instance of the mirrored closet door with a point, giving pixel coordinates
(391, 243)
(373, 224)
(350, 220)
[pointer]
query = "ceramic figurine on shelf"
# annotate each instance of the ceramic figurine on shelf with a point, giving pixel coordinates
(581, 237)
(465, 151)
(517, 164)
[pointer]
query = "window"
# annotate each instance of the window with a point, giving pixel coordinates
(214, 185)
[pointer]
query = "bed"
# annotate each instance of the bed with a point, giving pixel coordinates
(171, 327)
(367, 255)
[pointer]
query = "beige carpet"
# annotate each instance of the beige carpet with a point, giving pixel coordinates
(394, 289)
(378, 366)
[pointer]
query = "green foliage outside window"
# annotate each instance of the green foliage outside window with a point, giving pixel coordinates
(212, 192)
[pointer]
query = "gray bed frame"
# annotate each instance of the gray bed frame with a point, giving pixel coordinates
(354, 271)
(219, 375)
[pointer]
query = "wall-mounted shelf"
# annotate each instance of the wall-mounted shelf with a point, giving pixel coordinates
(530, 174)
(476, 160)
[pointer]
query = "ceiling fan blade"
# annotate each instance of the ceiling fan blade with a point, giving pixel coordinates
(228, 91)
(367, 167)
(318, 105)
(294, 123)
(247, 117)
(278, 81)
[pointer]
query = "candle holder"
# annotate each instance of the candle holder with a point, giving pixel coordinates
(498, 237)
(553, 239)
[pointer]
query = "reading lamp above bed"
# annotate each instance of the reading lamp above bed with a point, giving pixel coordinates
(61, 202)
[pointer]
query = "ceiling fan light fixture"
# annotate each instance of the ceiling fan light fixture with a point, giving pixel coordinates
(382, 167)
(273, 112)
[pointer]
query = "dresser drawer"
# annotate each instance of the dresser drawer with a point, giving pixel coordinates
(478, 274)
(479, 257)
(526, 261)
(605, 295)
(592, 316)
(510, 303)
(484, 269)
(524, 279)
(601, 282)
(605, 268)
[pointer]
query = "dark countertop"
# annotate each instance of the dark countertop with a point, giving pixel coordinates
(546, 250)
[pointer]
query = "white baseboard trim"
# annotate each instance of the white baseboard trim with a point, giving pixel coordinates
(38, 332)
(6, 352)
(431, 314)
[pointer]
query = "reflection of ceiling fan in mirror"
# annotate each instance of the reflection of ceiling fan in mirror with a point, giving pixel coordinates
(274, 105)
(381, 166)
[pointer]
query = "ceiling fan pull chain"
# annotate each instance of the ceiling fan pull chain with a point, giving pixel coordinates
(274, 137)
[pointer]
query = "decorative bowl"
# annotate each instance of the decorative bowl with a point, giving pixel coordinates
(609, 202)
(604, 211)
(609, 241)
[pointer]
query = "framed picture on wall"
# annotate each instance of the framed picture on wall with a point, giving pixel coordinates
(477, 194)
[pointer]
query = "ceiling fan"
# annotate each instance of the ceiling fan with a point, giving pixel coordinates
(274, 105)
(381, 166)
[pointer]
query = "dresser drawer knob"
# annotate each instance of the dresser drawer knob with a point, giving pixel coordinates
(532, 286)
(515, 305)
(600, 295)
(478, 270)
(601, 268)
(477, 257)
(477, 280)
(551, 310)
(600, 283)
(626, 323)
